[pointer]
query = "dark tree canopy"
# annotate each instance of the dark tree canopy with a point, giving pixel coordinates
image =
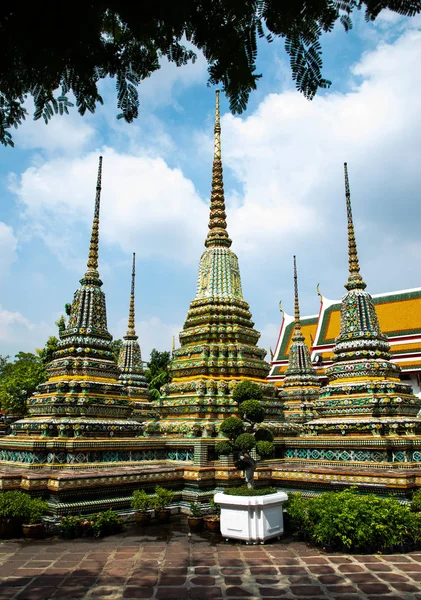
(55, 49)
(19, 380)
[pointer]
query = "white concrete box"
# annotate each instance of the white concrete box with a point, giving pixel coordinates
(251, 518)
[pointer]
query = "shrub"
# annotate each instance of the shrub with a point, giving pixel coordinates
(21, 507)
(162, 498)
(196, 509)
(243, 434)
(14, 504)
(97, 525)
(223, 448)
(246, 390)
(245, 441)
(416, 501)
(252, 411)
(264, 449)
(347, 520)
(232, 427)
(35, 509)
(141, 501)
(263, 435)
(245, 491)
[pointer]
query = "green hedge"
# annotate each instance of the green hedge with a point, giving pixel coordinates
(348, 521)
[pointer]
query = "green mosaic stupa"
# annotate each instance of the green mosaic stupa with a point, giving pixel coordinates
(80, 413)
(366, 414)
(132, 375)
(218, 341)
(301, 386)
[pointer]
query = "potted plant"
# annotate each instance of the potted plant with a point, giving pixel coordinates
(33, 527)
(13, 508)
(161, 501)
(212, 520)
(142, 503)
(195, 519)
(248, 514)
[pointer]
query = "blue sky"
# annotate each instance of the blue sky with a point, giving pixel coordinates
(283, 170)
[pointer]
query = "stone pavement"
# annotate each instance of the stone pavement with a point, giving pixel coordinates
(166, 562)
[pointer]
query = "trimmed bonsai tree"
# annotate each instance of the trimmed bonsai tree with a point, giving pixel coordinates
(245, 431)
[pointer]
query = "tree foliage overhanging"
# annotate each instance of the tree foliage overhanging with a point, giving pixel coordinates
(59, 49)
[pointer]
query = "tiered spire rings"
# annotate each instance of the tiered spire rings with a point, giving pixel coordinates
(92, 270)
(354, 279)
(218, 235)
(131, 323)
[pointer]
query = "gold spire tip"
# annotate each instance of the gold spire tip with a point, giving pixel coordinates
(354, 278)
(93, 247)
(131, 322)
(296, 301)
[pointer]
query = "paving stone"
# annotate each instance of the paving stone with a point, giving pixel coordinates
(268, 581)
(363, 578)
(379, 567)
(328, 579)
(235, 592)
(339, 559)
(405, 587)
(232, 571)
(137, 592)
(393, 577)
(306, 590)
(270, 592)
(202, 570)
(35, 594)
(367, 558)
(301, 579)
(315, 560)
(320, 569)
(410, 566)
(341, 589)
(350, 568)
(396, 558)
(143, 581)
(203, 580)
(168, 580)
(205, 592)
(173, 593)
(374, 588)
(231, 580)
(263, 571)
(293, 571)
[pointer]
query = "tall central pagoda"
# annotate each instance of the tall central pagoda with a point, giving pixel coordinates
(218, 341)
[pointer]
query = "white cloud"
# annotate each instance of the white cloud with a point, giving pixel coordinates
(67, 134)
(153, 333)
(18, 333)
(146, 206)
(8, 247)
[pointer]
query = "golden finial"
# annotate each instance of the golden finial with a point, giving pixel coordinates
(296, 303)
(173, 343)
(319, 293)
(354, 278)
(131, 323)
(92, 270)
(271, 353)
(280, 307)
(217, 235)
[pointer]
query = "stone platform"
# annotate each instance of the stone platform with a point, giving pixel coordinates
(167, 562)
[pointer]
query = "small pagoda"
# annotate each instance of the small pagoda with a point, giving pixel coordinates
(132, 375)
(82, 411)
(218, 341)
(301, 386)
(366, 414)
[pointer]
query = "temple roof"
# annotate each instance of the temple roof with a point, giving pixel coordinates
(399, 318)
